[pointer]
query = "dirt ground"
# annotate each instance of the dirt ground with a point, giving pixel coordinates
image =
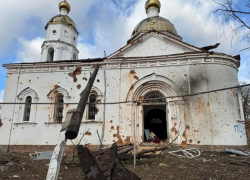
(209, 166)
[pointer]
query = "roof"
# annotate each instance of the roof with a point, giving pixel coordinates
(156, 23)
(58, 62)
(62, 19)
(118, 60)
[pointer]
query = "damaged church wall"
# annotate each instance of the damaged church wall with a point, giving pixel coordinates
(217, 112)
(207, 119)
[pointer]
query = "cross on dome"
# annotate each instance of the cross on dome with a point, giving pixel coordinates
(153, 3)
(64, 5)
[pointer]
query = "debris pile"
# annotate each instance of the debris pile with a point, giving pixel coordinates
(105, 164)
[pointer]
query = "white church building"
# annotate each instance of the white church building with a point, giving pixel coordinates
(156, 69)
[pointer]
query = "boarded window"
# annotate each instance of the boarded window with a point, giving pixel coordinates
(27, 108)
(154, 97)
(50, 56)
(58, 108)
(92, 107)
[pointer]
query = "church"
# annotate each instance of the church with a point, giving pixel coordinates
(152, 85)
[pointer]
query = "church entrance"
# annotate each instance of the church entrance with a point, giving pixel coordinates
(155, 123)
(154, 117)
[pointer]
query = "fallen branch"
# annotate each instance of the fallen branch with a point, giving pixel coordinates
(125, 150)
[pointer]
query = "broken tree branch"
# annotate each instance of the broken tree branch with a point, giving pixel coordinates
(73, 129)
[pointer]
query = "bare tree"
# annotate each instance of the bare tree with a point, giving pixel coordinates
(236, 17)
(245, 92)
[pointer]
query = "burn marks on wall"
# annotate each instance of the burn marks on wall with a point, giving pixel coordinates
(75, 73)
(133, 73)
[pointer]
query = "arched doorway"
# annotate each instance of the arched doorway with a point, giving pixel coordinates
(155, 121)
(154, 106)
(146, 91)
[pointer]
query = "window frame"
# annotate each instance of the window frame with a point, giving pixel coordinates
(149, 98)
(100, 107)
(52, 97)
(21, 108)
(27, 109)
(59, 105)
(90, 106)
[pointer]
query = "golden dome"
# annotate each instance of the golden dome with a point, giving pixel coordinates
(156, 23)
(152, 3)
(62, 19)
(64, 5)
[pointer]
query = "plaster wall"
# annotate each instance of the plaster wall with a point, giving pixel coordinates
(61, 32)
(206, 119)
(153, 45)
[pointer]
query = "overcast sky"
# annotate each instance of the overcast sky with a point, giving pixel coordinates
(107, 25)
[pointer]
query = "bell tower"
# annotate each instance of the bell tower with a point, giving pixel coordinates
(61, 37)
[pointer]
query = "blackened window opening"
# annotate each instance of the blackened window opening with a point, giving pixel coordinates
(154, 97)
(92, 107)
(27, 108)
(59, 108)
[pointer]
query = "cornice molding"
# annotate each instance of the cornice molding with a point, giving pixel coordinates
(126, 63)
(58, 90)
(28, 92)
(62, 42)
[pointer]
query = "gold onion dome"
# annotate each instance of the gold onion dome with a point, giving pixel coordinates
(62, 18)
(153, 3)
(64, 5)
(156, 23)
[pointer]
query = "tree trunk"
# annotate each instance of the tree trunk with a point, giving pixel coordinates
(73, 129)
(112, 167)
(89, 166)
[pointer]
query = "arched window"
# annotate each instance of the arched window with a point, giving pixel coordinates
(92, 107)
(58, 112)
(50, 56)
(27, 108)
(154, 97)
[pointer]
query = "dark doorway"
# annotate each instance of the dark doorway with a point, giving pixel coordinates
(155, 121)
